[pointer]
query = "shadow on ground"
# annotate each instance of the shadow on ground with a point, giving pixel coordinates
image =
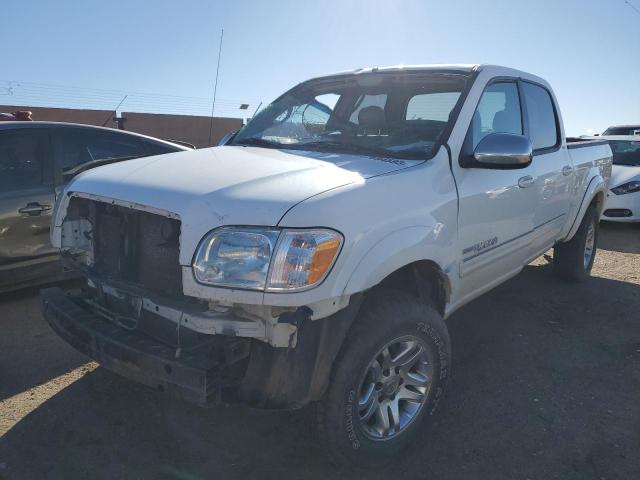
(546, 384)
(619, 237)
(30, 354)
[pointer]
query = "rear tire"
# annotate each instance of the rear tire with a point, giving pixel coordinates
(573, 260)
(394, 365)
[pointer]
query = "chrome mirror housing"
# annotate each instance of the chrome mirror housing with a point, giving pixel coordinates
(503, 150)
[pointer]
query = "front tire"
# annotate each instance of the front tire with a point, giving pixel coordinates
(573, 260)
(390, 374)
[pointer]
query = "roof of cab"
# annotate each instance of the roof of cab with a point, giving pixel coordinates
(498, 70)
(462, 68)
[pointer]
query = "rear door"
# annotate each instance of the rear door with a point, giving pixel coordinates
(26, 201)
(551, 163)
(496, 206)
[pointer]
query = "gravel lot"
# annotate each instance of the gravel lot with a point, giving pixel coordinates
(546, 384)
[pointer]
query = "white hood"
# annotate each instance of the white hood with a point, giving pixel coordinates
(229, 185)
(621, 174)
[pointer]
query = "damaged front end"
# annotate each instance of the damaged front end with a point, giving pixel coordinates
(133, 318)
(131, 260)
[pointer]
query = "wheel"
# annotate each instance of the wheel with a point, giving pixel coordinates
(573, 260)
(390, 373)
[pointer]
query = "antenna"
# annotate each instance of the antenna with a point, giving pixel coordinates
(632, 6)
(215, 88)
(115, 110)
(254, 113)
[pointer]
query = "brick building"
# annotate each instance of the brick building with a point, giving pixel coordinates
(186, 128)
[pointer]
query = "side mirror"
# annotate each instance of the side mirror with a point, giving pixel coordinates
(503, 150)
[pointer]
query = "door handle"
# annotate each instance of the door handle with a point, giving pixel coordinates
(34, 208)
(526, 181)
(567, 170)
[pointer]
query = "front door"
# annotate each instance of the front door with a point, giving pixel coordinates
(26, 202)
(497, 207)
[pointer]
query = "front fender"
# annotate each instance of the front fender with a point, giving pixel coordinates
(396, 250)
(597, 186)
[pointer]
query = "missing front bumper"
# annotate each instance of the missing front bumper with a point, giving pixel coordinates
(198, 374)
(218, 369)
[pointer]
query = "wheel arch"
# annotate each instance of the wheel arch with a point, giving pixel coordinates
(595, 195)
(423, 279)
(398, 261)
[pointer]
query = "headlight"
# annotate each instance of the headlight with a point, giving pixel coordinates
(235, 257)
(266, 259)
(629, 187)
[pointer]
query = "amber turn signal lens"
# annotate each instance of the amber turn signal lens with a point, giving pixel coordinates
(303, 258)
(323, 259)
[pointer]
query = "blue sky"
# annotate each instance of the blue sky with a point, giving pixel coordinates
(90, 53)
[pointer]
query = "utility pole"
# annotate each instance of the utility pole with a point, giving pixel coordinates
(215, 88)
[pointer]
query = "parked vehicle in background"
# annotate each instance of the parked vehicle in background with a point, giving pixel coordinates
(190, 146)
(21, 115)
(315, 256)
(623, 197)
(36, 160)
(622, 130)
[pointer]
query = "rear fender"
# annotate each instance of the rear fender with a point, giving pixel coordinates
(597, 188)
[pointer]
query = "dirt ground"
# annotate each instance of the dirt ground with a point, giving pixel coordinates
(545, 385)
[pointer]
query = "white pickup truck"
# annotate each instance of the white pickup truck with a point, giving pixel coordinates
(315, 256)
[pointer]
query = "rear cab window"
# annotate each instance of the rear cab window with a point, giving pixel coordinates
(431, 106)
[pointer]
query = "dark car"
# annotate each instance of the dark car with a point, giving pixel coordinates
(622, 130)
(36, 160)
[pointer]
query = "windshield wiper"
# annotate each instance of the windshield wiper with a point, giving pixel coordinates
(96, 163)
(258, 142)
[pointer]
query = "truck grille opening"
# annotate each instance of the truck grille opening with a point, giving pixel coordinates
(132, 246)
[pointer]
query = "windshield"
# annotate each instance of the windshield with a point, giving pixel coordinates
(625, 153)
(390, 114)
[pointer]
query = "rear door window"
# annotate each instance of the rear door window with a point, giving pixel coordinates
(543, 124)
(21, 159)
(76, 146)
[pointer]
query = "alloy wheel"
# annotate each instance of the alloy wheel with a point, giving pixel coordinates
(395, 387)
